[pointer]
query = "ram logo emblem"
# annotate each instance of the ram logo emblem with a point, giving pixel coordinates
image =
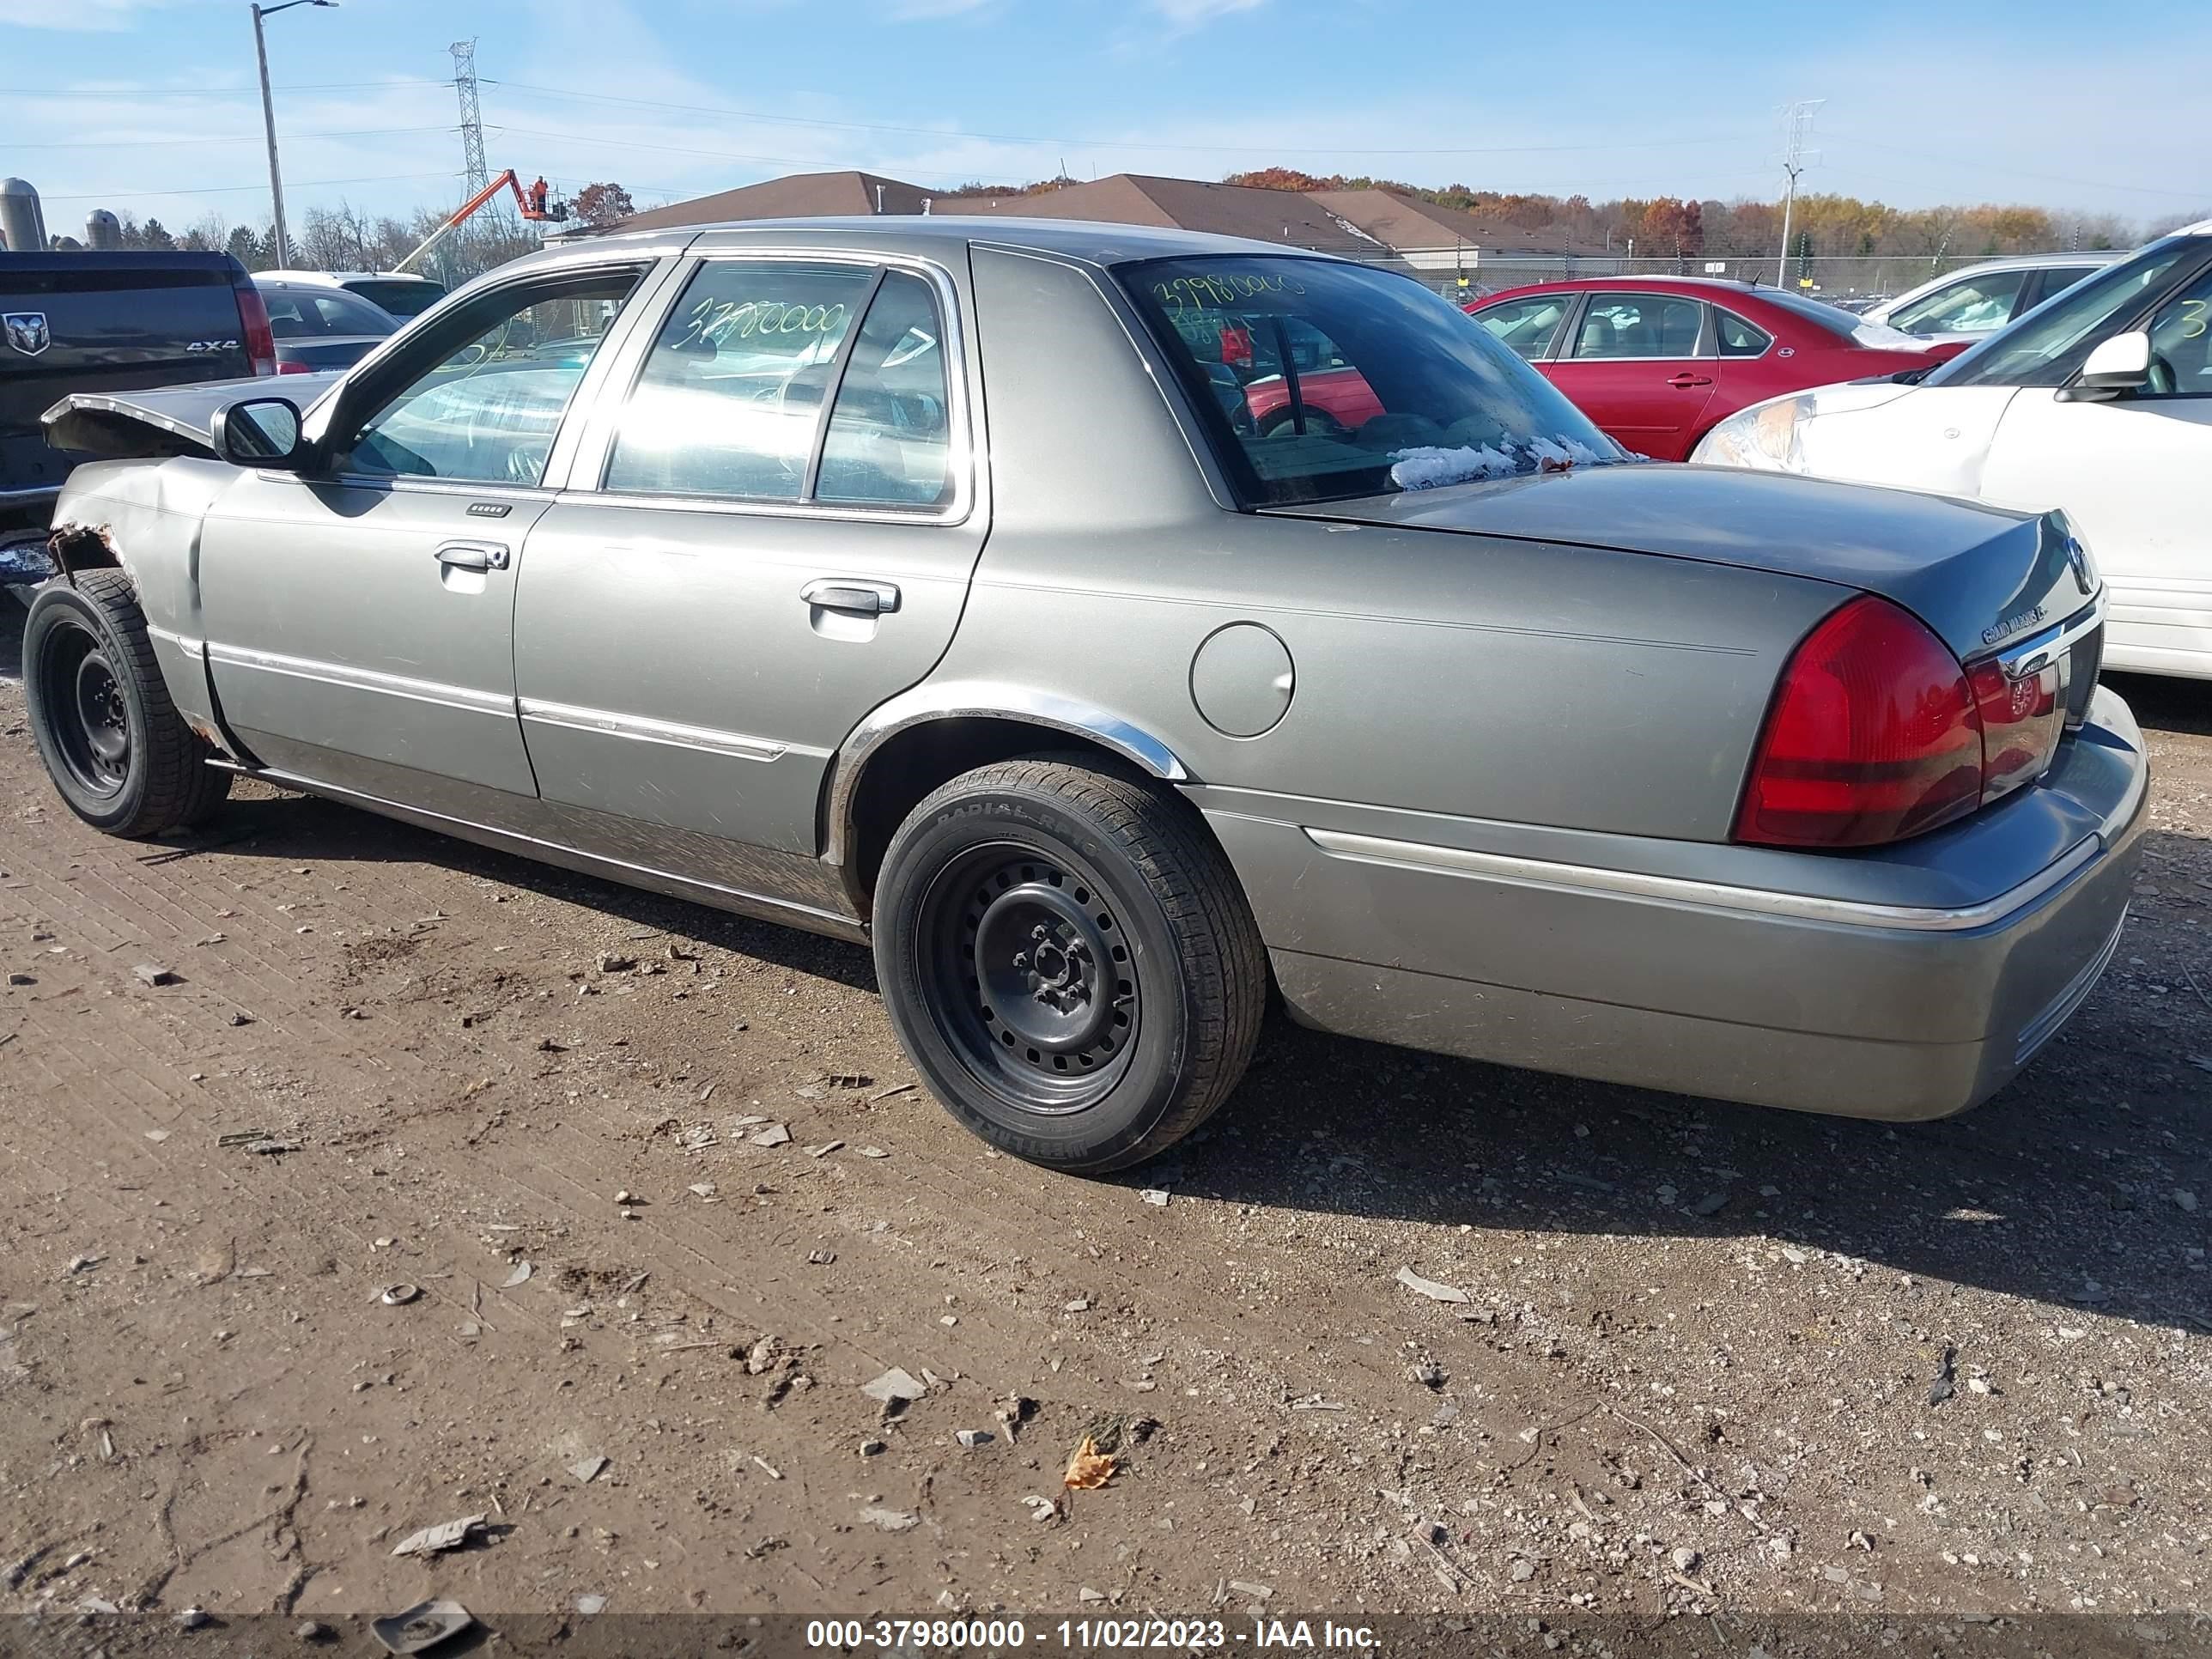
(26, 331)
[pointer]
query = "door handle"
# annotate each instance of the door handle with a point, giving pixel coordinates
(474, 555)
(1684, 381)
(861, 598)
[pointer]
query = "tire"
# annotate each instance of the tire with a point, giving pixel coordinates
(118, 753)
(1108, 1036)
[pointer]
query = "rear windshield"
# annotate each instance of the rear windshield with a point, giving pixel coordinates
(1320, 380)
(303, 313)
(401, 299)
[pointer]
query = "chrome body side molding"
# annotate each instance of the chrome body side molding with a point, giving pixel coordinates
(982, 700)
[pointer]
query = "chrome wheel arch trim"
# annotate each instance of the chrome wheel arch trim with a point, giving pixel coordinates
(981, 700)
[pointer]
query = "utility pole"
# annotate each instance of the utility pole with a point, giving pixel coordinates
(464, 82)
(269, 122)
(1796, 121)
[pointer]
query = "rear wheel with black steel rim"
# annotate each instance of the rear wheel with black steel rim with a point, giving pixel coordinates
(120, 754)
(1066, 955)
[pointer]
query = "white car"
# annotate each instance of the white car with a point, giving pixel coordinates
(1979, 299)
(2098, 402)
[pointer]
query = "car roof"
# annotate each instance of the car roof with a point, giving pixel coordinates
(939, 235)
(341, 278)
(2086, 256)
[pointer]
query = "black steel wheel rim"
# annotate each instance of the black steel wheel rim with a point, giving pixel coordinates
(1028, 977)
(87, 717)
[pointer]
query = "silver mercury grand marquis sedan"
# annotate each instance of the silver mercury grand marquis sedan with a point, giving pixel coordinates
(1108, 623)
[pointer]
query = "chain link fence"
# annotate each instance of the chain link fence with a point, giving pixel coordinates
(1471, 272)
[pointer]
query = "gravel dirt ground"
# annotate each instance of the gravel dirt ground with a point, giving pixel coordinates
(669, 1198)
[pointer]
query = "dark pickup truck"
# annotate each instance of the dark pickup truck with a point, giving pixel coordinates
(106, 322)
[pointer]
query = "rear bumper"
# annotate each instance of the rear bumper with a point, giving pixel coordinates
(1864, 1006)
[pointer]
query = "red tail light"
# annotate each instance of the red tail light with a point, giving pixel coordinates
(254, 315)
(1875, 735)
(293, 368)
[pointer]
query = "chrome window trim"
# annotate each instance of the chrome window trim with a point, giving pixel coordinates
(1710, 895)
(670, 733)
(461, 697)
(595, 447)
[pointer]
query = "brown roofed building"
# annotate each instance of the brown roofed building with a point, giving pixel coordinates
(794, 196)
(1288, 216)
(1414, 227)
(1380, 227)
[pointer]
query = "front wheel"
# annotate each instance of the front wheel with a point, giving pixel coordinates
(120, 755)
(1066, 957)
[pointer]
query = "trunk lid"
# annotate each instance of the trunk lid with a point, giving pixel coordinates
(1981, 577)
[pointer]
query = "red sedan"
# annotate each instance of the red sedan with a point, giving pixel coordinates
(1655, 361)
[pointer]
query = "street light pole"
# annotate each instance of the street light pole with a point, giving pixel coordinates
(269, 121)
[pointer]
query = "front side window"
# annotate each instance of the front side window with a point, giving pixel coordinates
(488, 409)
(1319, 380)
(1737, 338)
(1527, 325)
(1975, 305)
(2181, 344)
(1638, 326)
(732, 391)
(2046, 347)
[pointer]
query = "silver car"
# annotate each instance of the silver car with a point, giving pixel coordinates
(1114, 626)
(1971, 303)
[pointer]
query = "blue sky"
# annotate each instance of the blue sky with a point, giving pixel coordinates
(149, 106)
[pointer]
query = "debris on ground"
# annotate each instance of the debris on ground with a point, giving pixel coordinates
(971, 1438)
(1945, 1386)
(421, 1626)
(398, 1296)
(1089, 1468)
(314, 1630)
(1433, 1289)
(590, 1604)
(192, 1617)
(1155, 1195)
(774, 1135)
(520, 1276)
(849, 1080)
(896, 1387)
(152, 973)
(445, 1535)
(891, 1520)
(586, 1469)
(824, 1149)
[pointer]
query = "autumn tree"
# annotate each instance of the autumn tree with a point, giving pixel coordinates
(601, 205)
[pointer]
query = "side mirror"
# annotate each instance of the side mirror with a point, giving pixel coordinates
(2118, 366)
(261, 432)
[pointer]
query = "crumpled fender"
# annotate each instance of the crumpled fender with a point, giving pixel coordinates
(143, 517)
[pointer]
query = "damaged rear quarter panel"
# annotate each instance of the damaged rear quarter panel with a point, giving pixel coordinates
(149, 513)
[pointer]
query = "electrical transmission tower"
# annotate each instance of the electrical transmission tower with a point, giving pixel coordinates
(1796, 122)
(464, 82)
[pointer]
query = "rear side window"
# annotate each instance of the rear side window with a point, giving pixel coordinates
(890, 438)
(1739, 339)
(733, 395)
(1638, 326)
(732, 390)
